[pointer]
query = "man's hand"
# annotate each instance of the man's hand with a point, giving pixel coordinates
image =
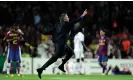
(32, 48)
(84, 13)
(97, 56)
(109, 53)
(88, 50)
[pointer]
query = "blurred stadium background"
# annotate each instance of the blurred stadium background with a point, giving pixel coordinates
(116, 17)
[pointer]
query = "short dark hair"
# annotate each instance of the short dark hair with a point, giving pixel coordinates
(62, 17)
(103, 30)
(79, 29)
(107, 32)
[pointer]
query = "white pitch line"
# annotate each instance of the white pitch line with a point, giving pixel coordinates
(57, 78)
(65, 79)
(79, 79)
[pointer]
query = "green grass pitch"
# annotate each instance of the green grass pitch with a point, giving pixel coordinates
(69, 77)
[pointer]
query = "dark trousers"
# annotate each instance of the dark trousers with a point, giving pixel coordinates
(59, 52)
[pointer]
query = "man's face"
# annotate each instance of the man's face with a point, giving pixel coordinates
(102, 33)
(66, 18)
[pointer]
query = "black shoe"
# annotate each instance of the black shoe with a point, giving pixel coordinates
(61, 67)
(39, 70)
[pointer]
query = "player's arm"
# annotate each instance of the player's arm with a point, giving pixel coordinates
(5, 50)
(80, 18)
(108, 46)
(108, 49)
(6, 39)
(28, 45)
(20, 32)
(24, 43)
(85, 46)
(45, 29)
(97, 50)
(81, 38)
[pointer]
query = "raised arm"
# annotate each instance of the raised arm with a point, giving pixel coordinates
(80, 18)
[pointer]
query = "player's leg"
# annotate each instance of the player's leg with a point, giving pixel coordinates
(18, 59)
(77, 64)
(104, 66)
(11, 68)
(82, 63)
(10, 60)
(104, 62)
(109, 69)
(59, 51)
(100, 61)
(69, 54)
(6, 67)
(18, 67)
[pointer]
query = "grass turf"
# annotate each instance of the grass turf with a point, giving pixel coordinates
(69, 77)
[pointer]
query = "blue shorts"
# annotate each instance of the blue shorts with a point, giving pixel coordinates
(14, 55)
(103, 59)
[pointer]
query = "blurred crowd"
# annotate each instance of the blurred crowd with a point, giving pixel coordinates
(115, 17)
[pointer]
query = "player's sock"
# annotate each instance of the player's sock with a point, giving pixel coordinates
(104, 68)
(8, 68)
(101, 65)
(108, 70)
(18, 67)
(5, 66)
(11, 68)
(77, 66)
(82, 68)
